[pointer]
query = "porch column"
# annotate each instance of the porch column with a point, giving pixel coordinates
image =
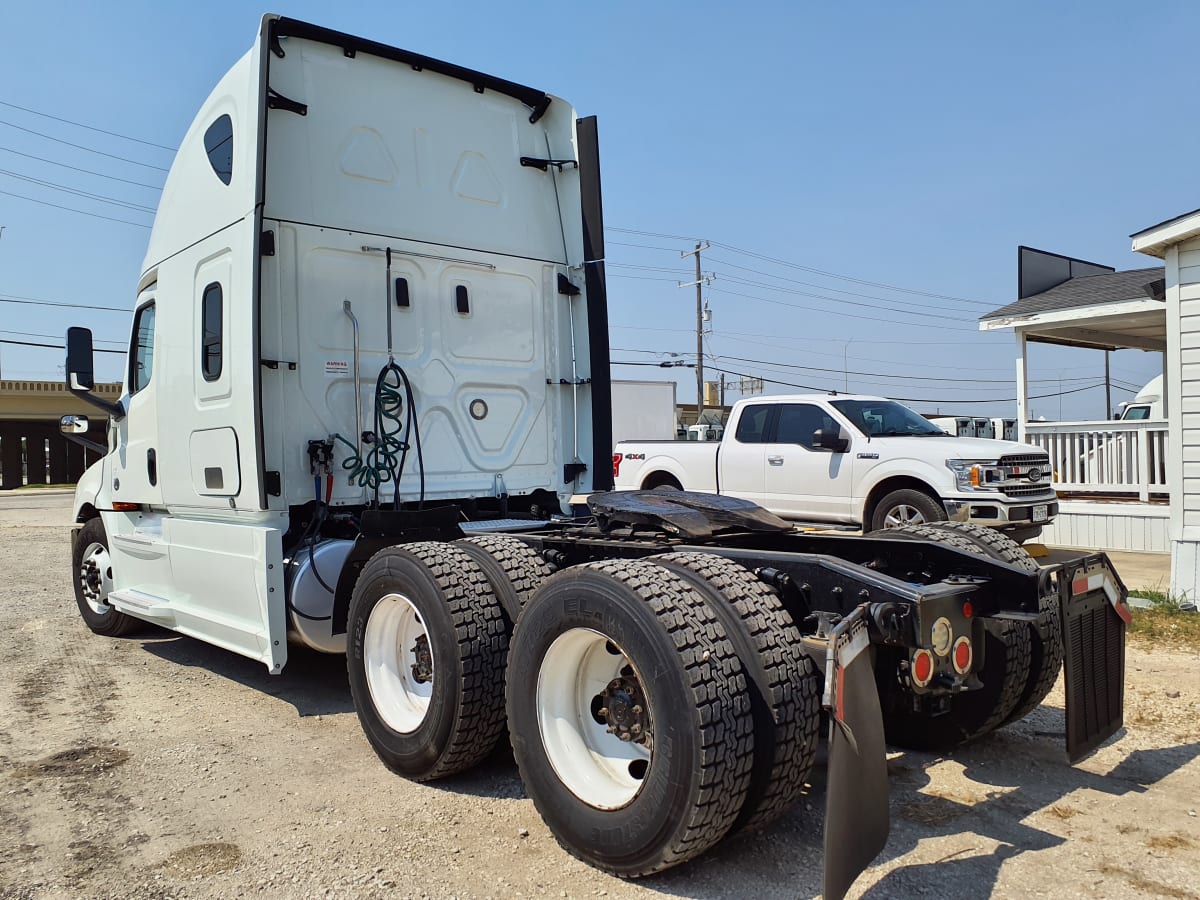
(1022, 385)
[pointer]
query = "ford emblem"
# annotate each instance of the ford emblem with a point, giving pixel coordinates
(1035, 474)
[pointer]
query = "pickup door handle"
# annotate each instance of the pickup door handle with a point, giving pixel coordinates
(775, 460)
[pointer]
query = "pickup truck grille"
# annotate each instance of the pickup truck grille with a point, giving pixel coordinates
(1026, 459)
(1027, 490)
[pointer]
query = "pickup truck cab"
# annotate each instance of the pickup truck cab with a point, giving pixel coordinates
(852, 460)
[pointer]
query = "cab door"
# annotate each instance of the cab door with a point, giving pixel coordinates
(741, 458)
(804, 481)
(135, 462)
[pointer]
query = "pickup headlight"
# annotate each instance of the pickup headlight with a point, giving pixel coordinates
(976, 474)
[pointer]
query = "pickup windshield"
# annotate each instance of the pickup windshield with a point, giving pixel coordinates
(885, 418)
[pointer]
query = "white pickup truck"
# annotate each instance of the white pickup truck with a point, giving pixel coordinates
(852, 460)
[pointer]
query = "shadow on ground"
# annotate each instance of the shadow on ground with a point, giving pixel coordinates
(314, 683)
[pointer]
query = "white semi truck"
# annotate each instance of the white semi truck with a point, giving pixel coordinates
(369, 364)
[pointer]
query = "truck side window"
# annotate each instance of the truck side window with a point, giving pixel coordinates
(798, 421)
(210, 332)
(141, 360)
(752, 426)
(218, 144)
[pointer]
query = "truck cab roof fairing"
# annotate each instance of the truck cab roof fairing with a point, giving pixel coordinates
(196, 200)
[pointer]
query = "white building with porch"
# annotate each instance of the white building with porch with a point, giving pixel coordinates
(1113, 477)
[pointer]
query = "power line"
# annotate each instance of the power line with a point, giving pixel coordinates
(918, 399)
(792, 265)
(39, 334)
(34, 301)
(941, 315)
(831, 312)
(54, 186)
(88, 127)
(54, 346)
(51, 162)
(82, 147)
(82, 212)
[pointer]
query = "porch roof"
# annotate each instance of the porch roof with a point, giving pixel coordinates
(1106, 311)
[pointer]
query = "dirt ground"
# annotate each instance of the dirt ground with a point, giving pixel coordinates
(157, 766)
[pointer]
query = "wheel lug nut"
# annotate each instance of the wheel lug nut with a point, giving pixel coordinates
(637, 710)
(603, 711)
(624, 735)
(635, 728)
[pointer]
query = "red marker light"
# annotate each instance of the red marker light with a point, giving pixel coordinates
(922, 668)
(963, 656)
(968, 609)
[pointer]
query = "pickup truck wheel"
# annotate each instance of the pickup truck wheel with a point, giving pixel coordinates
(92, 564)
(971, 714)
(425, 658)
(906, 506)
(629, 718)
(1045, 639)
(783, 686)
(513, 568)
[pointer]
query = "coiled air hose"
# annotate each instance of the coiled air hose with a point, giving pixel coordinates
(396, 432)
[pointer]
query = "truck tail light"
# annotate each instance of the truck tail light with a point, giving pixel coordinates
(963, 655)
(616, 464)
(922, 668)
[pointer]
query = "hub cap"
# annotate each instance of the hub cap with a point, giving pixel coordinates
(95, 576)
(901, 515)
(595, 718)
(399, 663)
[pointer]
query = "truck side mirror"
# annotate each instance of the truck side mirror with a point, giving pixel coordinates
(81, 377)
(830, 440)
(80, 369)
(73, 424)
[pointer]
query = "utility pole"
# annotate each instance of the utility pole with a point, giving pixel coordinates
(1108, 410)
(700, 281)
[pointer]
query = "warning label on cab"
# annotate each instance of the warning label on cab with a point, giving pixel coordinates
(337, 367)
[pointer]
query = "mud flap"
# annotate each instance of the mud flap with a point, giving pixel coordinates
(1094, 616)
(856, 796)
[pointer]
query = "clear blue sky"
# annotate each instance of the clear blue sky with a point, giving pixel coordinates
(912, 144)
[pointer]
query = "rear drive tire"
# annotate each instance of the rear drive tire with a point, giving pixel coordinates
(782, 683)
(1045, 639)
(971, 714)
(92, 575)
(906, 506)
(513, 568)
(425, 657)
(613, 645)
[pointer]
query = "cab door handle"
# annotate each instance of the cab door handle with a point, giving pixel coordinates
(152, 467)
(775, 460)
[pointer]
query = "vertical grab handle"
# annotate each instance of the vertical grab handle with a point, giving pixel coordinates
(358, 430)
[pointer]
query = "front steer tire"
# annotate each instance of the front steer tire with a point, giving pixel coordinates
(904, 507)
(91, 570)
(436, 591)
(661, 635)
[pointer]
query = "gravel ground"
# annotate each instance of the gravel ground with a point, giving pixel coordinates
(157, 766)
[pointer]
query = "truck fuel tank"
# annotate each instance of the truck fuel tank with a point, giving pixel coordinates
(309, 602)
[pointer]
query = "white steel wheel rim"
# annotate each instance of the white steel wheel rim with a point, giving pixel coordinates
(95, 577)
(597, 767)
(389, 656)
(902, 514)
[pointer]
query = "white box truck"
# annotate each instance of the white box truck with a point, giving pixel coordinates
(369, 361)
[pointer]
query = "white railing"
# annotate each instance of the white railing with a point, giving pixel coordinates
(1127, 457)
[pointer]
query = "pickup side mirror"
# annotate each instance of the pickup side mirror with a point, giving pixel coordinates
(830, 440)
(81, 378)
(73, 424)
